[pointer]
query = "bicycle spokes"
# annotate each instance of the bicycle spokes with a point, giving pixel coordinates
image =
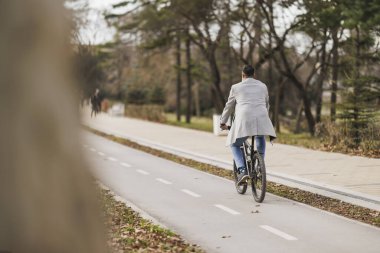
(256, 172)
(258, 180)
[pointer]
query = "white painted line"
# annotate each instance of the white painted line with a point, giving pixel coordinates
(163, 181)
(125, 165)
(227, 209)
(100, 153)
(279, 233)
(143, 172)
(112, 159)
(193, 194)
(93, 150)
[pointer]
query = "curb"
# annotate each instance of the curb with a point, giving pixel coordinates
(135, 208)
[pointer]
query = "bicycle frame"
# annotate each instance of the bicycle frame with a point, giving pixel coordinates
(256, 174)
(248, 150)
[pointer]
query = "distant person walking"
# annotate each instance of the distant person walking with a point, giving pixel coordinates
(251, 99)
(95, 102)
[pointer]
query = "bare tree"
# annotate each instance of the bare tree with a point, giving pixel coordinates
(287, 68)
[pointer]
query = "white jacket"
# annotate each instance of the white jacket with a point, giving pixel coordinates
(251, 112)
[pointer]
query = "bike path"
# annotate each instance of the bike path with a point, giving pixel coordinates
(349, 178)
(206, 209)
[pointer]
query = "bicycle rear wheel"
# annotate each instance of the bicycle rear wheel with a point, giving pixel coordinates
(242, 188)
(258, 179)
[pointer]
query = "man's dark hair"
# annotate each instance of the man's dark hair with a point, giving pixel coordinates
(248, 70)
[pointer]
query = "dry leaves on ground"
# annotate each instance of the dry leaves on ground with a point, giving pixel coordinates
(129, 232)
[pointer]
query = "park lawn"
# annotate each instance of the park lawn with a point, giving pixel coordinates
(197, 123)
(302, 139)
(285, 137)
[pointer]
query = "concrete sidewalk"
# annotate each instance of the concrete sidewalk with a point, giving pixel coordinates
(348, 178)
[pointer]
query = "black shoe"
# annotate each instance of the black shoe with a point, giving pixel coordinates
(242, 178)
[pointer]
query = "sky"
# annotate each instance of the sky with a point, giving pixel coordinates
(97, 31)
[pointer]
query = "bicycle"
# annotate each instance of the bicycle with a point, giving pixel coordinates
(256, 172)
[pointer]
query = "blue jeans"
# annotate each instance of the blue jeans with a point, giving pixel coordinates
(238, 154)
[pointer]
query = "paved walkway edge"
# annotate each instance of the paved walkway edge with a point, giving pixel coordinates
(339, 193)
(135, 208)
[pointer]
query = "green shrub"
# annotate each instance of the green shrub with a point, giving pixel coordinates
(137, 96)
(339, 136)
(158, 95)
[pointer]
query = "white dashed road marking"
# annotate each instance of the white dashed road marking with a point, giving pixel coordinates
(193, 194)
(163, 181)
(125, 165)
(143, 172)
(279, 233)
(227, 209)
(112, 159)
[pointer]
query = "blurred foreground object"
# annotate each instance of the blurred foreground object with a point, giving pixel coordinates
(47, 197)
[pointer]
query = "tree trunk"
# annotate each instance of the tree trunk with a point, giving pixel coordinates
(277, 102)
(270, 80)
(270, 63)
(197, 103)
(231, 66)
(321, 80)
(356, 126)
(306, 103)
(179, 80)
(258, 31)
(335, 70)
(299, 117)
(218, 97)
(189, 81)
(308, 113)
(47, 195)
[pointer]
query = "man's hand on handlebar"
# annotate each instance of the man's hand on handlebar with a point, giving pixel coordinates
(224, 127)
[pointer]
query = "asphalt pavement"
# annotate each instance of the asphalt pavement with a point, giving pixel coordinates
(348, 178)
(206, 209)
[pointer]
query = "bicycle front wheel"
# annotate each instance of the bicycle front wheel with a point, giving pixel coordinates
(242, 188)
(259, 178)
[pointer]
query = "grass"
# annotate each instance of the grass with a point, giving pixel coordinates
(348, 210)
(302, 139)
(206, 124)
(198, 123)
(129, 232)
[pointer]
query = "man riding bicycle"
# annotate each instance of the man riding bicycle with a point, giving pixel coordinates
(250, 100)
